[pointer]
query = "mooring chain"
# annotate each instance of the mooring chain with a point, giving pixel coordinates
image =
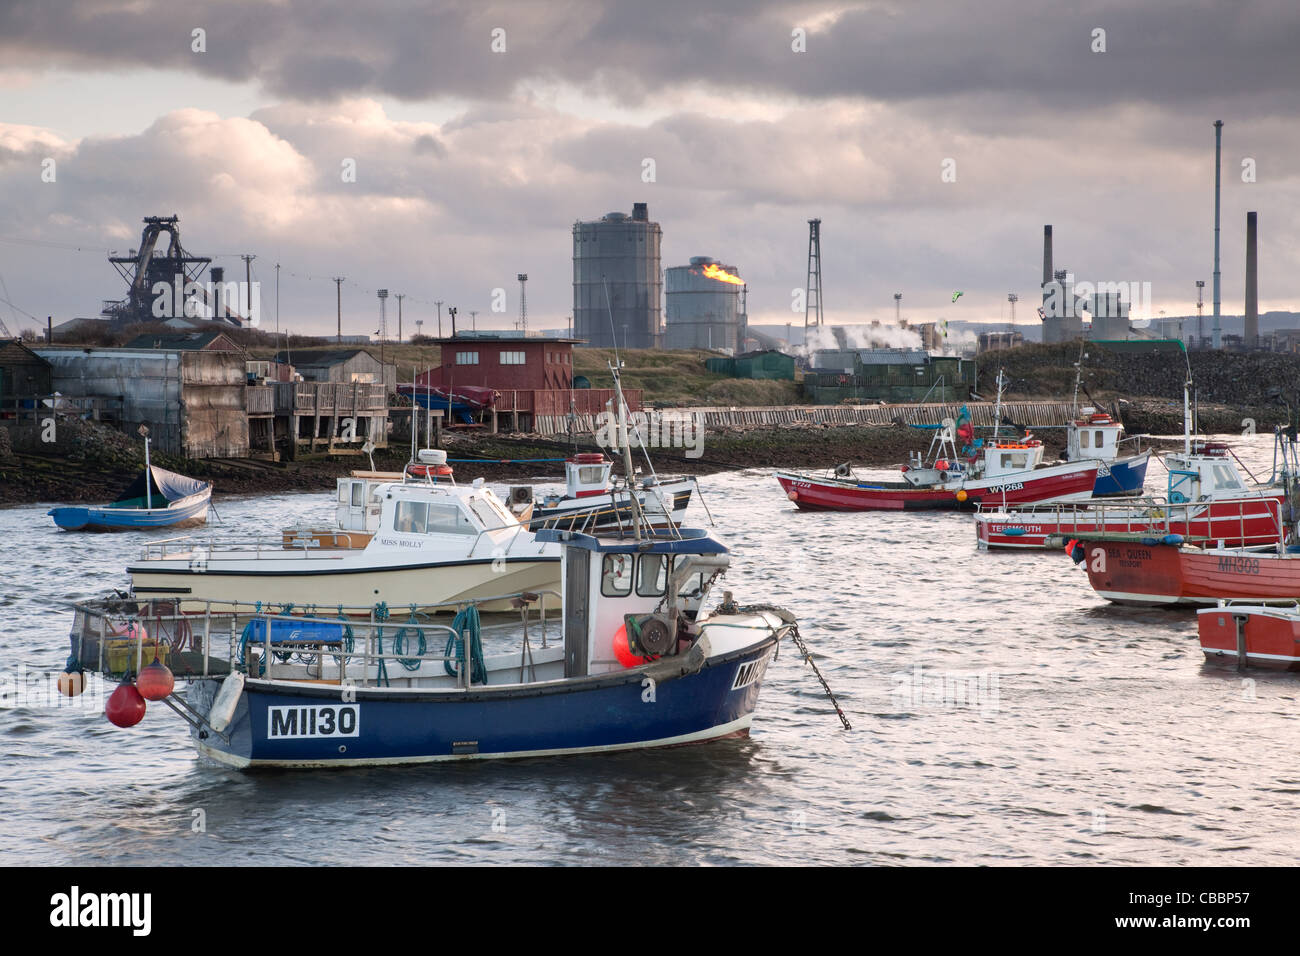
(807, 656)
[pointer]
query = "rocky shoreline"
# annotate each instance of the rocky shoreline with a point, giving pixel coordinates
(94, 467)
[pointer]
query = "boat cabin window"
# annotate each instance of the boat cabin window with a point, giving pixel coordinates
(448, 519)
(358, 494)
(616, 575)
(1101, 438)
(1012, 460)
(591, 474)
(1083, 440)
(652, 576)
(1225, 477)
(419, 517)
(411, 517)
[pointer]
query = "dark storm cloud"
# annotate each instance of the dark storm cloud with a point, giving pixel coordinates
(1162, 51)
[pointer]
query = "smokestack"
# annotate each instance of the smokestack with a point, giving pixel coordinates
(1218, 166)
(640, 213)
(1047, 254)
(1252, 284)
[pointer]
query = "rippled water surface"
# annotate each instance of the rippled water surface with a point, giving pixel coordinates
(1068, 732)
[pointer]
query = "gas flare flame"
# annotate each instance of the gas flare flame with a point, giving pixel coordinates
(714, 271)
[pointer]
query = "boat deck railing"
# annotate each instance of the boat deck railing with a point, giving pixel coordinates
(1155, 514)
(352, 646)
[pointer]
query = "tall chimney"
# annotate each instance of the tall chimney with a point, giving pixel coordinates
(1047, 254)
(1252, 284)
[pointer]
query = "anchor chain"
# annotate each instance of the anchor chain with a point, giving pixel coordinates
(807, 656)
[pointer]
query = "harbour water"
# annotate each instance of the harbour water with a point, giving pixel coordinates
(1002, 714)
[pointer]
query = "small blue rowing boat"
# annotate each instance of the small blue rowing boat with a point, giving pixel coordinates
(158, 498)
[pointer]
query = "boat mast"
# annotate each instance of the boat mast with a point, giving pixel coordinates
(627, 454)
(148, 469)
(1078, 377)
(997, 409)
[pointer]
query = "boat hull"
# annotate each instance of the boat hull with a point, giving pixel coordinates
(1123, 477)
(1244, 636)
(1238, 522)
(1069, 482)
(325, 581)
(1159, 575)
(397, 726)
(73, 518)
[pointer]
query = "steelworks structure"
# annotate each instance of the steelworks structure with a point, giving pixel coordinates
(617, 283)
(704, 306)
(149, 265)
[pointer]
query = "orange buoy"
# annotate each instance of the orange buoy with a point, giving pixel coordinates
(623, 652)
(125, 707)
(155, 681)
(793, 495)
(961, 494)
(72, 683)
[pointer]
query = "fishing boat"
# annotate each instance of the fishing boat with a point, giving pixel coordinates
(1097, 435)
(157, 498)
(996, 470)
(1001, 472)
(1091, 433)
(1154, 571)
(637, 664)
(435, 542)
(1207, 498)
(592, 500)
(1245, 635)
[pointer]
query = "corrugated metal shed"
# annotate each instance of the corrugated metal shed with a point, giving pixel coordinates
(192, 401)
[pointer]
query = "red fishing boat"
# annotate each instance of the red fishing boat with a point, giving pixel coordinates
(1154, 571)
(1251, 636)
(942, 486)
(1207, 498)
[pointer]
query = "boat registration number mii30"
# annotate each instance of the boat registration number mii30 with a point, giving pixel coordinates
(325, 720)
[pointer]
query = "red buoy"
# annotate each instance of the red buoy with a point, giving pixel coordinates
(623, 652)
(125, 707)
(155, 681)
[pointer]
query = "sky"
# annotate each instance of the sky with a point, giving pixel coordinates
(438, 149)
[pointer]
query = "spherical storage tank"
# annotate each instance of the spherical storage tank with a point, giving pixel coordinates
(617, 256)
(704, 309)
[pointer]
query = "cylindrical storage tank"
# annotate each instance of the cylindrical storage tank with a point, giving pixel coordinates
(703, 306)
(617, 256)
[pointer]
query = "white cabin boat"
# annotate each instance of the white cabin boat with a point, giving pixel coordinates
(433, 543)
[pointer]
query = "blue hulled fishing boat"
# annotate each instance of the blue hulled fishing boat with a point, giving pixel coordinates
(157, 498)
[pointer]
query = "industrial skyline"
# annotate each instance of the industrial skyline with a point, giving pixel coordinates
(933, 148)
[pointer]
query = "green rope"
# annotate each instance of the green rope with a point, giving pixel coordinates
(399, 642)
(466, 620)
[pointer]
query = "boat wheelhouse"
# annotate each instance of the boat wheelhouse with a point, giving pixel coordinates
(1096, 435)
